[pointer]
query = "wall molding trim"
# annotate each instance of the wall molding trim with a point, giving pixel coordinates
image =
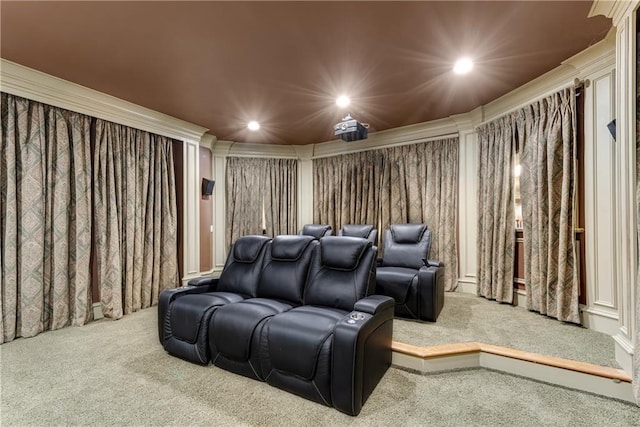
(244, 149)
(421, 132)
(597, 56)
(28, 83)
(599, 320)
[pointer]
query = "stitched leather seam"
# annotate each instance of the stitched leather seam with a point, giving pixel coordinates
(320, 394)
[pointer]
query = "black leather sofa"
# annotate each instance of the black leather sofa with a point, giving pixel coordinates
(406, 274)
(294, 311)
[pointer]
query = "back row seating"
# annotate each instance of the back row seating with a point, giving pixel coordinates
(293, 311)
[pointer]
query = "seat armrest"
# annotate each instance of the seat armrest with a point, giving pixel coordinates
(361, 356)
(434, 263)
(374, 304)
(211, 282)
(430, 292)
(167, 297)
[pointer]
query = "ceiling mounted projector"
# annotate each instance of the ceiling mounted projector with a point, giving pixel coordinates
(350, 130)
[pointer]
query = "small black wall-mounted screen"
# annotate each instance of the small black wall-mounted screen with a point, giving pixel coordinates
(207, 187)
(612, 128)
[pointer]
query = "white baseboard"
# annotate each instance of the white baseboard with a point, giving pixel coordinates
(624, 353)
(97, 311)
(520, 298)
(467, 287)
(599, 321)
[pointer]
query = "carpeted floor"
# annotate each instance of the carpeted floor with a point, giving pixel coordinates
(466, 318)
(116, 373)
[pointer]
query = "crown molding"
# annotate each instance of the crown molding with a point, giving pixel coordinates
(208, 141)
(616, 10)
(232, 148)
(572, 70)
(304, 152)
(392, 137)
(28, 83)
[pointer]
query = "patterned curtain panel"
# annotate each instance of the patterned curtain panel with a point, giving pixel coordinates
(261, 192)
(244, 197)
(281, 197)
(420, 185)
(496, 216)
(346, 189)
(45, 218)
(548, 186)
(134, 216)
(411, 183)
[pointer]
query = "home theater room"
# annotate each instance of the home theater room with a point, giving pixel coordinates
(433, 207)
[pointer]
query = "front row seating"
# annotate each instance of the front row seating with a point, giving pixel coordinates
(294, 312)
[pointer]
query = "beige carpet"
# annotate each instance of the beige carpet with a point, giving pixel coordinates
(116, 373)
(467, 318)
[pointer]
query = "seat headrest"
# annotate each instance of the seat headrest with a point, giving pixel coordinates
(407, 233)
(247, 248)
(289, 248)
(342, 253)
(357, 230)
(316, 230)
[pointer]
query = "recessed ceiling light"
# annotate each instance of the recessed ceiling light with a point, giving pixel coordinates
(463, 66)
(253, 125)
(343, 101)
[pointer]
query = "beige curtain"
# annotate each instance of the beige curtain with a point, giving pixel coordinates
(261, 190)
(45, 218)
(420, 185)
(134, 217)
(281, 196)
(346, 189)
(496, 216)
(547, 188)
(410, 183)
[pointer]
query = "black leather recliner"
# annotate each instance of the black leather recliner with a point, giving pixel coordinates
(360, 230)
(337, 346)
(235, 330)
(184, 313)
(316, 230)
(405, 273)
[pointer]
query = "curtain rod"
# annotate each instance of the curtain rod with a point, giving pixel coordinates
(578, 85)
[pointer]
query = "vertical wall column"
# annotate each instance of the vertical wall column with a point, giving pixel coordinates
(220, 152)
(468, 200)
(601, 310)
(191, 151)
(305, 184)
(625, 157)
(626, 262)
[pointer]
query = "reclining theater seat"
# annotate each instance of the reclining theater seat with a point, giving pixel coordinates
(316, 230)
(360, 230)
(337, 346)
(405, 273)
(184, 313)
(235, 329)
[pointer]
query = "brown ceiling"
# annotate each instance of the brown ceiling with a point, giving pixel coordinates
(221, 64)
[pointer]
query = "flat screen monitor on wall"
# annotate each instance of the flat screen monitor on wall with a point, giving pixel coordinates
(207, 187)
